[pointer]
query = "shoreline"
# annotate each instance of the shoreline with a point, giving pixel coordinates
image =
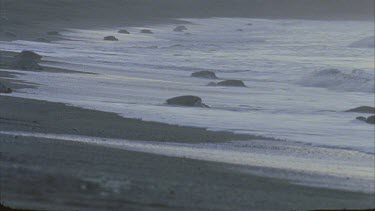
(91, 122)
(256, 157)
(33, 118)
(90, 177)
(98, 123)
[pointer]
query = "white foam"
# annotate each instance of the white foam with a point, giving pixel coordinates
(355, 81)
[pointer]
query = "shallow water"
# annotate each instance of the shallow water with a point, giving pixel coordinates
(289, 95)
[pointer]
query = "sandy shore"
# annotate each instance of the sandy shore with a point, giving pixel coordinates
(73, 176)
(52, 174)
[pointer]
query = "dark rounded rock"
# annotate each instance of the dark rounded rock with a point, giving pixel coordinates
(29, 55)
(239, 30)
(186, 100)
(53, 33)
(371, 119)
(204, 74)
(146, 31)
(237, 83)
(110, 38)
(26, 60)
(123, 31)
(363, 109)
(180, 28)
(361, 118)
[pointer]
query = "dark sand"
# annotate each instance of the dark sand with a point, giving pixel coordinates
(60, 175)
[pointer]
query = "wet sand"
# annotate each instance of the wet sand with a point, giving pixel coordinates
(65, 175)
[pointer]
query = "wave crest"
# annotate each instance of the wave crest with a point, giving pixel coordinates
(355, 81)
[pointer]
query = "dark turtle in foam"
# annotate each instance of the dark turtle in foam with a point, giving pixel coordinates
(204, 74)
(146, 31)
(110, 38)
(235, 83)
(123, 31)
(180, 28)
(186, 100)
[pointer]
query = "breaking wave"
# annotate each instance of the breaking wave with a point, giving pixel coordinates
(355, 81)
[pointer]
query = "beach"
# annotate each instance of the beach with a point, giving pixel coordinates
(91, 129)
(89, 177)
(65, 175)
(70, 175)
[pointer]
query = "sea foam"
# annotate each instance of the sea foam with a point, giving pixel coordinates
(355, 81)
